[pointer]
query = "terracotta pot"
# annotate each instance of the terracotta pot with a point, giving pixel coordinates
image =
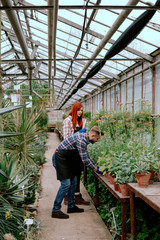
(143, 179)
(119, 189)
(106, 175)
(111, 179)
(116, 186)
(151, 180)
(124, 189)
(158, 174)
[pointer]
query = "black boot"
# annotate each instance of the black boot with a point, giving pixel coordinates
(75, 209)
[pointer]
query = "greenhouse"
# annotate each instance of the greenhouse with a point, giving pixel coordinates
(74, 73)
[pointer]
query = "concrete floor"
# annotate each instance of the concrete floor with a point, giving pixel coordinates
(80, 226)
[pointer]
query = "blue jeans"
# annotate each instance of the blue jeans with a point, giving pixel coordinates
(68, 186)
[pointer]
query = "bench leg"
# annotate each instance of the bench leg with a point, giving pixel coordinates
(123, 214)
(132, 212)
(97, 192)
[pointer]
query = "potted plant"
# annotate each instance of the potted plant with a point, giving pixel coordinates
(141, 170)
(113, 168)
(124, 176)
(104, 162)
(157, 169)
(157, 163)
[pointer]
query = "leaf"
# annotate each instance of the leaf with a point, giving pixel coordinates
(19, 183)
(9, 134)
(10, 109)
(3, 174)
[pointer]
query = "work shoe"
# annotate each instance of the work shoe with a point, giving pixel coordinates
(59, 214)
(80, 200)
(65, 200)
(75, 209)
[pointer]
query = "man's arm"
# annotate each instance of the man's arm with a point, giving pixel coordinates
(81, 146)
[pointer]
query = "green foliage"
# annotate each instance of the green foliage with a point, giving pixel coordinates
(24, 146)
(127, 145)
(64, 115)
(12, 187)
(19, 160)
(87, 115)
(59, 126)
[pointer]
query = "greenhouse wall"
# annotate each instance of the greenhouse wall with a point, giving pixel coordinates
(137, 90)
(123, 93)
(130, 94)
(157, 87)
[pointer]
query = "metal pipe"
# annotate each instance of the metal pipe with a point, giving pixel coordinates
(93, 14)
(30, 83)
(121, 18)
(50, 37)
(55, 18)
(68, 59)
(0, 58)
(12, 16)
(36, 7)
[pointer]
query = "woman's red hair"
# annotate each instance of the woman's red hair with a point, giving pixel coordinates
(76, 107)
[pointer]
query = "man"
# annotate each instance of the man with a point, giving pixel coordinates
(68, 158)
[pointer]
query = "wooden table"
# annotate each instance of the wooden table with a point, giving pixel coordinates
(123, 199)
(151, 195)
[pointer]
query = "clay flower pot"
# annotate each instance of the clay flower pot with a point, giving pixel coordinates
(158, 174)
(106, 175)
(116, 186)
(151, 180)
(111, 179)
(143, 179)
(124, 189)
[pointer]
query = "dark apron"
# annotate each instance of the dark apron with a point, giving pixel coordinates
(77, 129)
(68, 163)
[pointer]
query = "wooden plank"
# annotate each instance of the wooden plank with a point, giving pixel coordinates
(151, 194)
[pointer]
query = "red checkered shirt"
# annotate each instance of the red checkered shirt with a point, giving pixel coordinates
(67, 127)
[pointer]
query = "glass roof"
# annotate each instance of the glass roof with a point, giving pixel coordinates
(63, 43)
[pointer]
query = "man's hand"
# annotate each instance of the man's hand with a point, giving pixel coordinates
(97, 171)
(83, 130)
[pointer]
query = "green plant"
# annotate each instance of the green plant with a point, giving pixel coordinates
(157, 166)
(23, 146)
(59, 126)
(141, 166)
(87, 115)
(64, 115)
(12, 195)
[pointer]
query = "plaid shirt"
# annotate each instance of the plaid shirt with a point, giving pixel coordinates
(78, 141)
(67, 127)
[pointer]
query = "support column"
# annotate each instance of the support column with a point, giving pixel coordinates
(142, 91)
(0, 58)
(133, 94)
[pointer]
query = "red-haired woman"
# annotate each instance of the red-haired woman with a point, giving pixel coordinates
(72, 124)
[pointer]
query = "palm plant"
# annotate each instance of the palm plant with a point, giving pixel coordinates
(23, 147)
(7, 130)
(11, 182)
(12, 197)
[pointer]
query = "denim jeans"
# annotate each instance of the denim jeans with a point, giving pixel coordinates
(68, 186)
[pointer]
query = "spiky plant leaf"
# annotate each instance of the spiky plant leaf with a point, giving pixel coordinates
(9, 134)
(10, 109)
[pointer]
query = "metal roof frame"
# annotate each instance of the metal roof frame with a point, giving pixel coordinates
(63, 62)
